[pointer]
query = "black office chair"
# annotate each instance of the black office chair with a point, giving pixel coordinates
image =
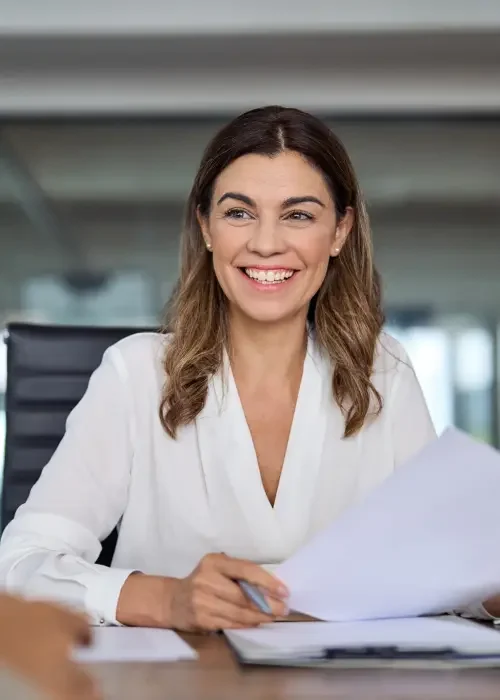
(48, 369)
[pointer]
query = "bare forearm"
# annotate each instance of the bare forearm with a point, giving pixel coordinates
(207, 600)
(146, 601)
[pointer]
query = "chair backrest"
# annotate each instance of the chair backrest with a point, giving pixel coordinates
(48, 370)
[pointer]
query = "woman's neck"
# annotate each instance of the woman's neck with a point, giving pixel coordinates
(271, 352)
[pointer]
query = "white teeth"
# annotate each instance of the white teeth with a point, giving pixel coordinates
(269, 276)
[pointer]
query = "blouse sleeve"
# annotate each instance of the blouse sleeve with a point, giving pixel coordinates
(50, 548)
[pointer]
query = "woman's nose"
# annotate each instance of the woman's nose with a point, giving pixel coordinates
(266, 239)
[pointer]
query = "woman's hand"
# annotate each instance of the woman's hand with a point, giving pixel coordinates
(37, 641)
(210, 599)
(492, 606)
(206, 600)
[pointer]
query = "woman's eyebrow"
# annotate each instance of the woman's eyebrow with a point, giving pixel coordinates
(293, 201)
(239, 196)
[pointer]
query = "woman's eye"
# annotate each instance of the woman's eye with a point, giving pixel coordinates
(300, 216)
(239, 214)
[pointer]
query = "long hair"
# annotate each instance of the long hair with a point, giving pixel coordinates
(345, 314)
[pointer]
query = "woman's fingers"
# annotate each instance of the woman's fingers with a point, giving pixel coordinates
(252, 573)
(211, 598)
(217, 613)
(227, 590)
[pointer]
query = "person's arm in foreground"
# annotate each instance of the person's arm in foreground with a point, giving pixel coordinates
(36, 643)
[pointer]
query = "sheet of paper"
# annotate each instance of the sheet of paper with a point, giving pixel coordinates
(128, 644)
(285, 640)
(426, 541)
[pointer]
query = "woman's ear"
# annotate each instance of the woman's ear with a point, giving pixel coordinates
(342, 230)
(203, 224)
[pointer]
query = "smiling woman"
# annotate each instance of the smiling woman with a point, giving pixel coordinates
(273, 403)
(275, 202)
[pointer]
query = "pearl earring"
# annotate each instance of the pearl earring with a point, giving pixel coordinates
(209, 247)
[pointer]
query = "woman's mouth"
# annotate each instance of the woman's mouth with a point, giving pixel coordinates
(269, 276)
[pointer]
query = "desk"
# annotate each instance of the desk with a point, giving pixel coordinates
(216, 676)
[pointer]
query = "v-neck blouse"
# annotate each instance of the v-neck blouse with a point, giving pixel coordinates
(175, 501)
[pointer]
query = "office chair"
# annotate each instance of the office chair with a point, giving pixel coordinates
(48, 369)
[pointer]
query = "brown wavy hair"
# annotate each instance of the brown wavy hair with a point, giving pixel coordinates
(345, 314)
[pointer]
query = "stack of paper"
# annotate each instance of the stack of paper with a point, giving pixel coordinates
(426, 541)
(414, 642)
(129, 644)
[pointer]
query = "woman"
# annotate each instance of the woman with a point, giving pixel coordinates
(275, 403)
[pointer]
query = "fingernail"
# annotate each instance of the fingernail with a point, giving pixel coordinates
(283, 591)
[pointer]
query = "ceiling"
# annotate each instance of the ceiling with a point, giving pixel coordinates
(155, 162)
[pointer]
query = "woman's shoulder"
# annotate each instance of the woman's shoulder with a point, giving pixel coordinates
(389, 351)
(391, 360)
(139, 355)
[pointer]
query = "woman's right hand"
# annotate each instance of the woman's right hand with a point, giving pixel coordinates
(210, 599)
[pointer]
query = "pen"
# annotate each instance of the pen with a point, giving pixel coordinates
(255, 596)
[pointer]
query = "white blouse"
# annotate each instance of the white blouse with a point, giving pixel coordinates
(177, 500)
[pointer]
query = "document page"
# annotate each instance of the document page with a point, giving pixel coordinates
(292, 640)
(122, 644)
(426, 541)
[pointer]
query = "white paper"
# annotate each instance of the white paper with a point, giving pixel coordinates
(128, 644)
(426, 541)
(299, 639)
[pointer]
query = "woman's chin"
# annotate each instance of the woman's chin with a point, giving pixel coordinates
(268, 312)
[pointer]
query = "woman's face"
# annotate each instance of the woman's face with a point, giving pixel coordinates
(272, 228)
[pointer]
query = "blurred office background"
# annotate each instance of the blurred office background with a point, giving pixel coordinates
(106, 106)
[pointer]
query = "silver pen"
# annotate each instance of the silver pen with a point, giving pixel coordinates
(255, 596)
